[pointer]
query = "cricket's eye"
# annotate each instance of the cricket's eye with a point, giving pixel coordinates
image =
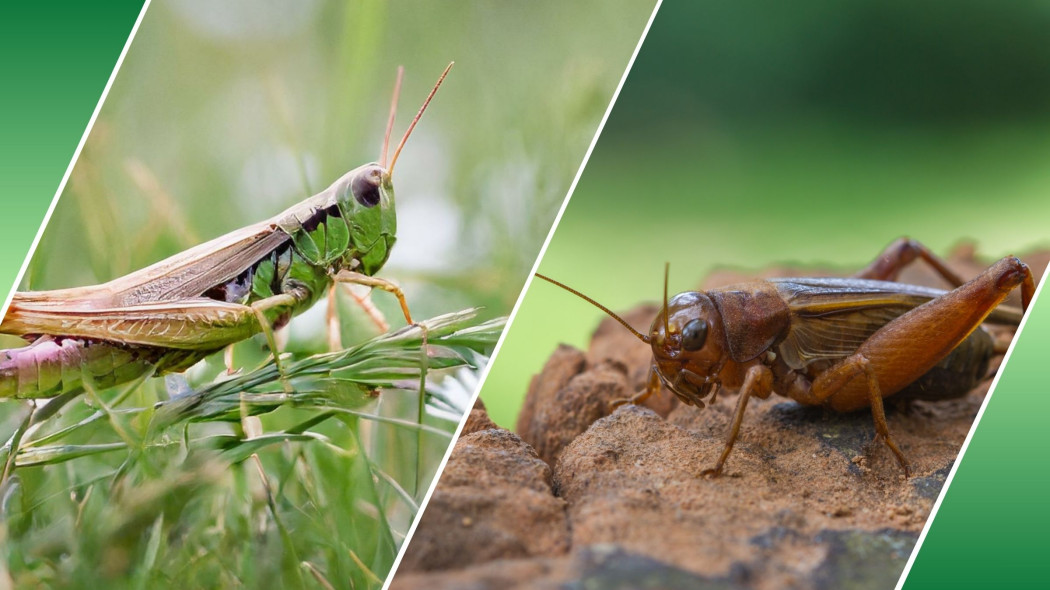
(694, 334)
(365, 187)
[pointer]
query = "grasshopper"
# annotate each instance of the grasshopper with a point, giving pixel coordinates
(170, 315)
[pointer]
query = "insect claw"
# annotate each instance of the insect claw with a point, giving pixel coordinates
(712, 473)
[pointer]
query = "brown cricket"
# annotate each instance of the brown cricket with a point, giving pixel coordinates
(842, 343)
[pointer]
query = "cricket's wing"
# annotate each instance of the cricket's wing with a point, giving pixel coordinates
(191, 324)
(832, 317)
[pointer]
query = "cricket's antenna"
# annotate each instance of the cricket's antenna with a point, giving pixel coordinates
(640, 336)
(397, 152)
(667, 324)
(393, 112)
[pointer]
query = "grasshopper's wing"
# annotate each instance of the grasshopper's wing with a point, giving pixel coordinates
(185, 275)
(193, 272)
(191, 324)
(831, 318)
(182, 277)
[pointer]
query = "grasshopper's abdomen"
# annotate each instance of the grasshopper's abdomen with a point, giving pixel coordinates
(53, 366)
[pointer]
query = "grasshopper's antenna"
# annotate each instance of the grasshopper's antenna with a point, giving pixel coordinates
(667, 324)
(640, 336)
(393, 112)
(397, 151)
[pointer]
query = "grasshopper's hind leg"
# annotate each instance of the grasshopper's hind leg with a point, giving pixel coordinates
(902, 252)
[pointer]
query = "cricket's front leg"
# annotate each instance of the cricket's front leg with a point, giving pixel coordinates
(758, 381)
(652, 385)
(907, 347)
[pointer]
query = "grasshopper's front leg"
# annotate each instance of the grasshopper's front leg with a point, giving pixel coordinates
(907, 347)
(335, 341)
(275, 310)
(346, 276)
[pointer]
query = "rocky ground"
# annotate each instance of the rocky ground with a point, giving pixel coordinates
(585, 498)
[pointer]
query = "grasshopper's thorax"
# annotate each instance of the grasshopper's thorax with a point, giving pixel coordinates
(689, 346)
(351, 225)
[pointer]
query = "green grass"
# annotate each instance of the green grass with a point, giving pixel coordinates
(236, 482)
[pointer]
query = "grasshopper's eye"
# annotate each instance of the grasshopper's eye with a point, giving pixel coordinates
(694, 334)
(366, 187)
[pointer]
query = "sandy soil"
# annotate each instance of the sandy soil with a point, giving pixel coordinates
(592, 498)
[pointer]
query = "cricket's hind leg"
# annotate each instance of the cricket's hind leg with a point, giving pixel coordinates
(956, 374)
(906, 348)
(902, 252)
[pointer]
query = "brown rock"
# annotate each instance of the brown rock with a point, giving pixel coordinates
(477, 420)
(563, 365)
(493, 501)
(586, 398)
(632, 480)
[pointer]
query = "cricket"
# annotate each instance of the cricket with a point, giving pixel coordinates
(841, 343)
(168, 316)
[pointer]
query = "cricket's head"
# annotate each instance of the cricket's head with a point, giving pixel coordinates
(689, 346)
(687, 338)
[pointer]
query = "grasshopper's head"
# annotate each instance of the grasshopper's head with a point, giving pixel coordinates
(365, 198)
(689, 346)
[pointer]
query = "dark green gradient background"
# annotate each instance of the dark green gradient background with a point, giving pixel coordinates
(57, 57)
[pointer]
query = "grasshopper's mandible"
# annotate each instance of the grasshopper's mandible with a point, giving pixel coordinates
(843, 343)
(170, 315)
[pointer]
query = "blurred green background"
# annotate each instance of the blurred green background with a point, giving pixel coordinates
(224, 114)
(760, 132)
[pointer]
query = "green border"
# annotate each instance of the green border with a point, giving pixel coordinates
(57, 58)
(990, 530)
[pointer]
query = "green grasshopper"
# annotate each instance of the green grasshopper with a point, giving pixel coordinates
(168, 316)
